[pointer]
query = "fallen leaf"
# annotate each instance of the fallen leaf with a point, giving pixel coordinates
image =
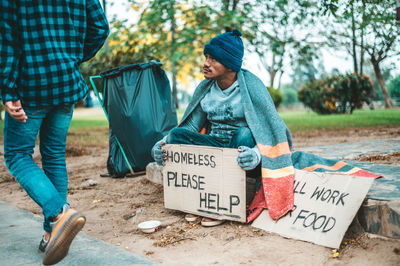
(147, 253)
(335, 255)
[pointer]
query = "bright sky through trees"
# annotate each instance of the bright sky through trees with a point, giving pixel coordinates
(332, 59)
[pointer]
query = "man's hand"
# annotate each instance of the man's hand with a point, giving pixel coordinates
(248, 159)
(15, 110)
(158, 154)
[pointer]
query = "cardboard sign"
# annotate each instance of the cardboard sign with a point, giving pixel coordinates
(325, 205)
(206, 181)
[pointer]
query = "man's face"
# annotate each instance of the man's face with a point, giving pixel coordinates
(213, 69)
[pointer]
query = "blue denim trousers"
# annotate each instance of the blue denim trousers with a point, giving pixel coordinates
(47, 187)
(241, 137)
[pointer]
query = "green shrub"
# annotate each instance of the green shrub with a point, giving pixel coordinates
(276, 96)
(337, 94)
(289, 97)
(394, 87)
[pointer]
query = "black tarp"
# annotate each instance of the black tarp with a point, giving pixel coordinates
(141, 111)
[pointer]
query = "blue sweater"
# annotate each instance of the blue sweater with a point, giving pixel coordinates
(222, 109)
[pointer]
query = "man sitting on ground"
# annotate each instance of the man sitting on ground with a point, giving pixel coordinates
(238, 112)
(220, 109)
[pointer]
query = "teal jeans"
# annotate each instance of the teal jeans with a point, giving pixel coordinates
(241, 137)
(48, 186)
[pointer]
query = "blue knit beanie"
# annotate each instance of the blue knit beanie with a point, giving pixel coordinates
(227, 48)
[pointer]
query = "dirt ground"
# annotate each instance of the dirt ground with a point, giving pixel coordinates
(114, 208)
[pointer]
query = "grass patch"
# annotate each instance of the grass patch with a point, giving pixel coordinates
(95, 136)
(88, 130)
(84, 133)
(84, 124)
(307, 120)
(93, 129)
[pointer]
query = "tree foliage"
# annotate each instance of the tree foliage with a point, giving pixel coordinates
(289, 96)
(125, 46)
(394, 87)
(280, 34)
(337, 94)
(383, 39)
(365, 29)
(276, 95)
(175, 32)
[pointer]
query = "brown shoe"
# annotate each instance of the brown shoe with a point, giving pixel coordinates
(191, 217)
(64, 231)
(208, 222)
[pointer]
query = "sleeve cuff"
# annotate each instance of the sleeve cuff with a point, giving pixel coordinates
(9, 97)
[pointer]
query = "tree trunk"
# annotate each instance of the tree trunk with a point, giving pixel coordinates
(231, 4)
(235, 2)
(398, 10)
(173, 61)
(378, 73)
(272, 74)
(362, 57)
(105, 13)
(354, 41)
(362, 52)
(175, 90)
(280, 79)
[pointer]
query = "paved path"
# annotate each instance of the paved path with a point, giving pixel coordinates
(20, 233)
(387, 188)
(352, 150)
(380, 213)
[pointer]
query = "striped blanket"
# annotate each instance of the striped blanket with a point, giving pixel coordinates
(274, 141)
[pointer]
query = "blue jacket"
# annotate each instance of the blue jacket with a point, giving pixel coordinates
(42, 44)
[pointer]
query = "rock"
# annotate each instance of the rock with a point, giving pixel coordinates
(380, 217)
(92, 182)
(154, 173)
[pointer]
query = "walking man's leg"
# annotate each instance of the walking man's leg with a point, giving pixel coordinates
(19, 142)
(53, 136)
(47, 191)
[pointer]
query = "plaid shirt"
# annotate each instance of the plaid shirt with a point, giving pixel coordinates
(42, 44)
